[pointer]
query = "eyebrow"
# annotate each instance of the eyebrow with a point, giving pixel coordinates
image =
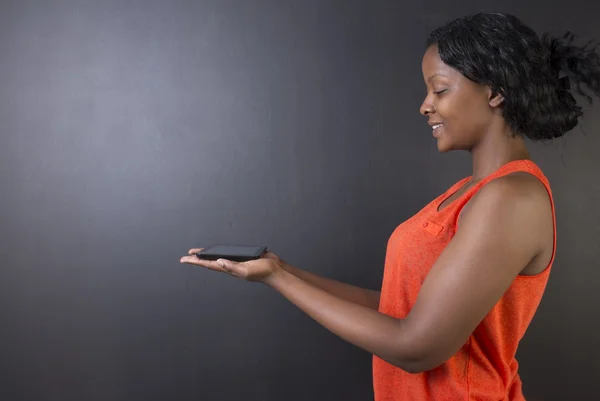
(437, 74)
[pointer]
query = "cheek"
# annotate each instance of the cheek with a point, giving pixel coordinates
(469, 114)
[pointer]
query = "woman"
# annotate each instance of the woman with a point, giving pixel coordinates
(464, 276)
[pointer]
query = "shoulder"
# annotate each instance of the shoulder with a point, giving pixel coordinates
(519, 191)
(517, 203)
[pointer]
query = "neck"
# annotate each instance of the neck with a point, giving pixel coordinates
(495, 151)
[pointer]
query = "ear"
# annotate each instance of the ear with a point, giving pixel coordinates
(495, 99)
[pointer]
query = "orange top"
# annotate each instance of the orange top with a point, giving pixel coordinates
(484, 368)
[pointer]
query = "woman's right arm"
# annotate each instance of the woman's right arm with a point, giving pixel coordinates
(357, 295)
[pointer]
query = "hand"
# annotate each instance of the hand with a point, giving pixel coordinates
(262, 270)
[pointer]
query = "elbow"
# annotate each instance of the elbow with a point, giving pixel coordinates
(411, 364)
(416, 365)
(415, 354)
(413, 367)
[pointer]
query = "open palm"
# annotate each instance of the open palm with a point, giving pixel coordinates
(254, 270)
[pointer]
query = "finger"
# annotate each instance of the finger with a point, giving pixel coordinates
(194, 251)
(209, 264)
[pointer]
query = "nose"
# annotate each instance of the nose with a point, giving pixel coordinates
(427, 107)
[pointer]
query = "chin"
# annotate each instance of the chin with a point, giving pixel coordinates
(442, 149)
(443, 146)
(447, 143)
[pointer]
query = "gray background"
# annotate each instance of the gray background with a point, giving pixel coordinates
(131, 131)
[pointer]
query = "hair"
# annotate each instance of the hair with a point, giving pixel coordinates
(535, 75)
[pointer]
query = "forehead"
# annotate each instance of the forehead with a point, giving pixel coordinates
(432, 64)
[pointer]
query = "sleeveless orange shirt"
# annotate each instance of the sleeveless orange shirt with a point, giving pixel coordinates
(484, 368)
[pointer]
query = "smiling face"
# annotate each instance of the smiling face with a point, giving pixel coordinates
(459, 110)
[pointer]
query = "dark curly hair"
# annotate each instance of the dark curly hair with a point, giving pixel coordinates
(535, 75)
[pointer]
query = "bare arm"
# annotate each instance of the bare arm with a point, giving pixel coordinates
(361, 296)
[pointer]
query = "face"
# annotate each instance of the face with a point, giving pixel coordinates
(459, 110)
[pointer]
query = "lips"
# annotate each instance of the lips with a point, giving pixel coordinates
(436, 127)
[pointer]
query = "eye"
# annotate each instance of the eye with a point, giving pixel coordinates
(440, 92)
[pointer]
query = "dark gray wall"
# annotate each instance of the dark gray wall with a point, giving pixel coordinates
(131, 131)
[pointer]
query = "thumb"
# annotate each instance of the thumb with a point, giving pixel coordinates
(224, 263)
(228, 265)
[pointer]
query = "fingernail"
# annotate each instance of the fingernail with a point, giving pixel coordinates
(220, 263)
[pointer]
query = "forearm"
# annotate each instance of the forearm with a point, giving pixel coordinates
(374, 332)
(361, 296)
